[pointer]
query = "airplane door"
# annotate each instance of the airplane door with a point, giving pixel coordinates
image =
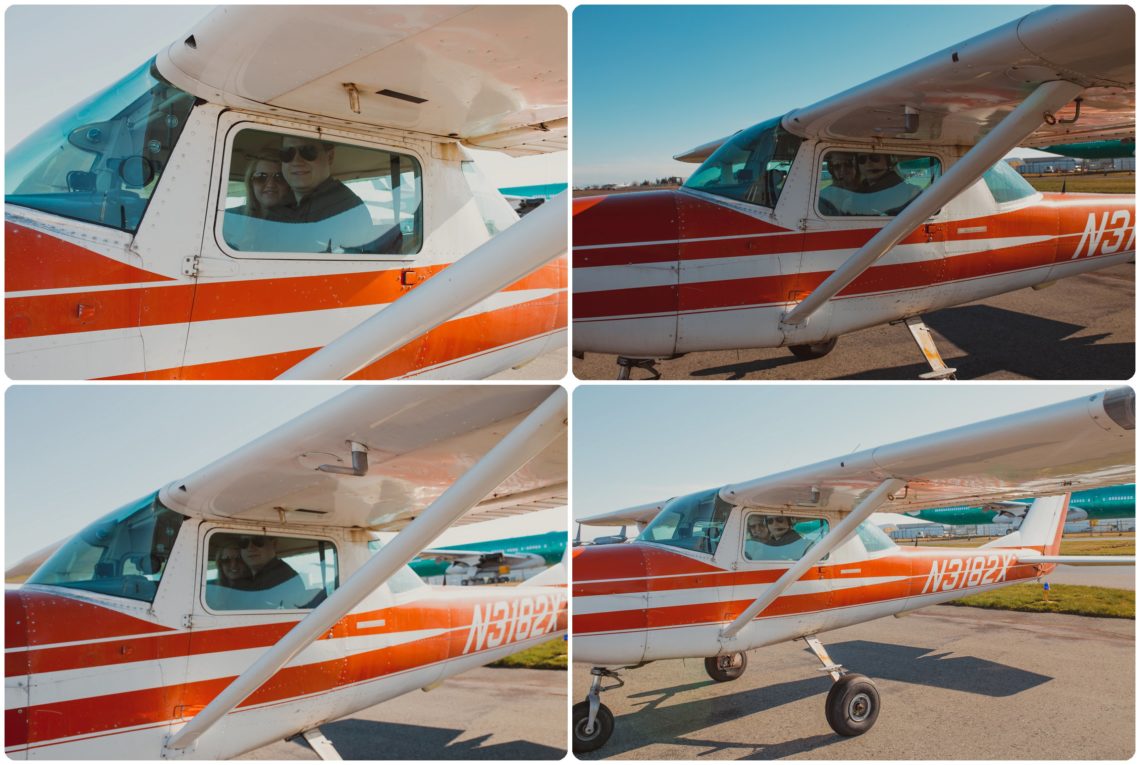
(772, 544)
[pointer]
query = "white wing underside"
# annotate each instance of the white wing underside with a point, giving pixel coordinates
(420, 440)
(961, 93)
(1079, 444)
(491, 76)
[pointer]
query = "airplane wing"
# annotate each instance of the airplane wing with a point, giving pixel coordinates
(419, 441)
(1084, 443)
(957, 96)
(491, 76)
(639, 515)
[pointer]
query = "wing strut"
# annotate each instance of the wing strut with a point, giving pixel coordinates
(524, 247)
(523, 443)
(1015, 128)
(858, 514)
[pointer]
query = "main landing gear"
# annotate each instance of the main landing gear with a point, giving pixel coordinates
(626, 364)
(925, 342)
(727, 667)
(591, 720)
(853, 702)
(813, 350)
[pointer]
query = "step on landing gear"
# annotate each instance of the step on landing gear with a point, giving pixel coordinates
(853, 702)
(727, 667)
(592, 721)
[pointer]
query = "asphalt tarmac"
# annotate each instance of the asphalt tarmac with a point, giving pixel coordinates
(1081, 328)
(486, 714)
(955, 683)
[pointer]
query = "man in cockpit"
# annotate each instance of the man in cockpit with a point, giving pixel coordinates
(334, 217)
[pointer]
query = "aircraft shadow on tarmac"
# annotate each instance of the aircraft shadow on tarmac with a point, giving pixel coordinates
(922, 666)
(370, 740)
(991, 340)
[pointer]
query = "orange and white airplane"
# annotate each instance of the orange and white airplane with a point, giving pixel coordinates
(877, 205)
(204, 217)
(250, 600)
(786, 557)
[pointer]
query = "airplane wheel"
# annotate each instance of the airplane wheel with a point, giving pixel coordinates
(814, 350)
(464, 582)
(723, 674)
(603, 727)
(852, 705)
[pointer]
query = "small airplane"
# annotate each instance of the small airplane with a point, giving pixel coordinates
(721, 572)
(877, 205)
(493, 561)
(1093, 505)
(215, 214)
(250, 600)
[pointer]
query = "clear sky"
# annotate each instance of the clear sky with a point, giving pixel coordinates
(653, 81)
(58, 55)
(76, 452)
(646, 443)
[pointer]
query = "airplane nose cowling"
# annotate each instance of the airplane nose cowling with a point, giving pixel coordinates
(609, 606)
(626, 273)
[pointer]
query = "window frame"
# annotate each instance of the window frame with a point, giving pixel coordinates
(218, 199)
(817, 167)
(204, 557)
(783, 562)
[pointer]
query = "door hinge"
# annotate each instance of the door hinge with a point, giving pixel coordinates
(190, 265)
(187, 621)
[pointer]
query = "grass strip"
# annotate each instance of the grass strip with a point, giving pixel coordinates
(1075, 599)
(548, 655)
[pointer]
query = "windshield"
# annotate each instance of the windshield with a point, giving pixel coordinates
(1006, 184)
(751, 166)
(693, 522)
(122, 554)
(101, 161)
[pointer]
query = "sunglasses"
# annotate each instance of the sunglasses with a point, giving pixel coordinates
(255, 541)
(262, 178)
(309, 152)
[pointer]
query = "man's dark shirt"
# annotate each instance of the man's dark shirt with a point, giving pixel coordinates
(274, 573)
(330, 198)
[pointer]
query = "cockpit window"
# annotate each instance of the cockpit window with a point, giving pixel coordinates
(1006, 184)
(101, 161)
(693, 522)
(256, 572)
(122, 554)
(870, 183)
(874, 538)
(751, 166)
(404, 579)
(780, 537)
(307, 195)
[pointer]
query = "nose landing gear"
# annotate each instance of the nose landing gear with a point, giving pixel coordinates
(592, 721)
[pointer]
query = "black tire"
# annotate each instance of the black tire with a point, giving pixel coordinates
(731, 672)
(852, 705)
(603, 727)
(814, 350)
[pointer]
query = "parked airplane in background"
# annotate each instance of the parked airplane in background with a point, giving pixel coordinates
(1093, 505)
(880, 204)
(494, 560)
(217, 215)
(720, 572)
(248, 601)
(1123, 147)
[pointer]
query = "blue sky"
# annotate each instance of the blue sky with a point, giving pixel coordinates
(54, 59)
(653, 81)
(76, 452)
(645, 443)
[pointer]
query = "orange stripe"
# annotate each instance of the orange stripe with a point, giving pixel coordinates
(454, 340)
(35, 316)
(34, 260)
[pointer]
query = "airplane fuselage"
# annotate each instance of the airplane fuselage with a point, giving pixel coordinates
(1093, 505)
(667, 272)
(95, 676)
(643, 602)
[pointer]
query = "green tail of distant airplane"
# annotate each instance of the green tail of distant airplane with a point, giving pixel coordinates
(1092, 505)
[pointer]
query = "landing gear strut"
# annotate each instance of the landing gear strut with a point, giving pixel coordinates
(853, 701)
(625, 364)
(593, 722)
(727, 667)
(925, 342)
